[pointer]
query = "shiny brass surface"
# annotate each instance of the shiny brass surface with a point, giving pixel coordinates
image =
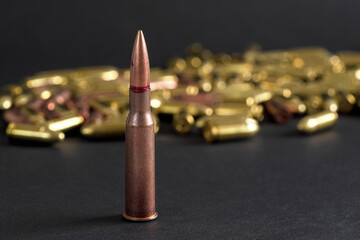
(318, 121)
(38, 133)
(229, 128)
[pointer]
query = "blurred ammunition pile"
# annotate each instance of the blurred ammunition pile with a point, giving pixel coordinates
(225, 96)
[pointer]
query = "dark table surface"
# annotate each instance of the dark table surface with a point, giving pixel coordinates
(277, 185)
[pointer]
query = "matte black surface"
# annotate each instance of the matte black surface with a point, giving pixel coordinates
(38, 35)
(277, 185)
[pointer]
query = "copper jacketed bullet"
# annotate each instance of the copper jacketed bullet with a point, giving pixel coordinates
(140, 140)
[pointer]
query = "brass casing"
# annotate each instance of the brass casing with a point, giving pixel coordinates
(230, 128)
(38, 133)
(316, 122)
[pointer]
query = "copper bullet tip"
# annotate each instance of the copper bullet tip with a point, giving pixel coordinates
(140, 67)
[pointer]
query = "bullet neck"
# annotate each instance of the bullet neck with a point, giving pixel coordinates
(139, 100)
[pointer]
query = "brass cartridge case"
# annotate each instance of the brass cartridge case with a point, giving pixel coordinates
(230, 128)
(43, 80)
(316, 122)
(201, 122)
(65, 122)
(39, 133)
(175, 107)
(112, 127)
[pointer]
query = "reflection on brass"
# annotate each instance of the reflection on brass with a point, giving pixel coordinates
(45, 80)
(65, 122)
(38, 133)
(316, 122)
(112, 127)
(228, 128)
(175, 107)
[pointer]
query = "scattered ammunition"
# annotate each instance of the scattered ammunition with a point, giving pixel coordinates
(316, 122)
(38, 133)
(195, 88)
(229, 128)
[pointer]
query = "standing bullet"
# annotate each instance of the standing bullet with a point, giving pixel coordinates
(140, 140)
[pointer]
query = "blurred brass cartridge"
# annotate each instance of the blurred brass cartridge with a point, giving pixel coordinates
(65, 122)
(112, 127)
(175, 107)
(160, 79)
(230, 128)
(182, 122)
(43, 80)
(201, 122)
(316, 122)
(105, 73)
(350, 59)
(39, 133)
(7, 95)
(228, 109)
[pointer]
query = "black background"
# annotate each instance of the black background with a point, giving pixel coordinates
(277, 185)
(41, 34)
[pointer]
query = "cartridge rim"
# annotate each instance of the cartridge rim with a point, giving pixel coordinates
(137, 219)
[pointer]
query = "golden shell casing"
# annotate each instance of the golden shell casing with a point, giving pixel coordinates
(39, 133)
(175, 107)
(67, 121)
(230, 128)
(316, 122)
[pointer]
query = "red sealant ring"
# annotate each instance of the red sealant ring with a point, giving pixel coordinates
(139, 89)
